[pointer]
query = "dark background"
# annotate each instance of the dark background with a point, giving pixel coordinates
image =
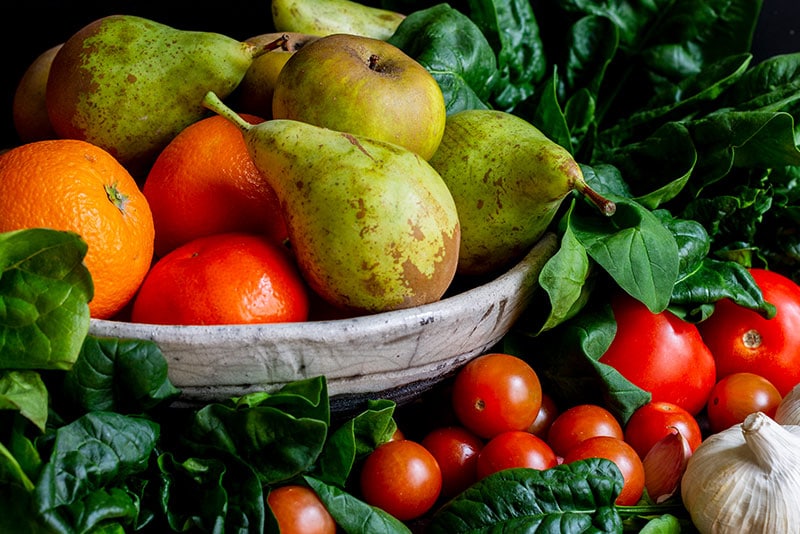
(29, 27)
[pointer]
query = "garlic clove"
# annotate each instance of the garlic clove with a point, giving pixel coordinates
(788, 412)
(664, 465)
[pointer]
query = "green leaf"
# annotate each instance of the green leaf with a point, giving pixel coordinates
(44, 293)
(25, 392)
(454, 50)
(576, 497)
(352, 515)
(125, 376)
(635, 249)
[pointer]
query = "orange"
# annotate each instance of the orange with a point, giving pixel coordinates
(204, 182)
(233, 278)
(67, 184)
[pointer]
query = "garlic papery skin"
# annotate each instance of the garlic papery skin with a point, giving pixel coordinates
(788, 411)
(745, 479)
(664, 465)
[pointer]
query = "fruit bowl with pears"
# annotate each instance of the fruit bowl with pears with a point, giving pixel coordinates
(422, 229)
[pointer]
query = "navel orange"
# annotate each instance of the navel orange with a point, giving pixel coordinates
(67, 184)
(231, 278)
(204, 182)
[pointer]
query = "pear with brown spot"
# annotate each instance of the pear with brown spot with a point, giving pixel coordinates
(372, 225)
(507, 180)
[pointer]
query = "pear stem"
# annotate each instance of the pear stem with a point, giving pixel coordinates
(212, 101)
(275, 44)
(607, 207)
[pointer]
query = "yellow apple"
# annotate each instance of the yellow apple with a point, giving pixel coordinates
(362, 86)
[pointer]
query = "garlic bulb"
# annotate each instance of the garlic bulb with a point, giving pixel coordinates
(788, 412)
(745, 479)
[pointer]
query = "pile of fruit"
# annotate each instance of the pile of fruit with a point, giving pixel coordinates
(354, 160)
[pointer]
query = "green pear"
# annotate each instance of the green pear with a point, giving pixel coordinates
(372, 225)
(29, 110)
(363, 86)
(507, 180)
(129, 84)
(254, 94)
(325, 17)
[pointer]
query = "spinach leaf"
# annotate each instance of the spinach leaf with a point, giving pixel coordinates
(26, 392)
(125, 376)
(44, 293)
(454, 50)
(576, 497)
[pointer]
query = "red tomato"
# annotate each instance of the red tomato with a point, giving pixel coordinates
(496, 392)
(742, 340)
(738, 395)
(581, 422)
(456, 451)
(515, 448)
(623, 455)
(547, 414)
(653, 421)
(298, 510)
(402, 478)
(662, 354)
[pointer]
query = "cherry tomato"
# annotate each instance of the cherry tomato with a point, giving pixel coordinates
(456, 451)
(623, 455)
(514, 448)
(581, 422)
(496, 392)
(547, 414)
(742, 340)
(402, 478)
(661, 354)
(738, 395)
(653, 421)
(298, 510)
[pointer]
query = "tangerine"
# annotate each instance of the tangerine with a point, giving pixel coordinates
(204, 182)
(231, 278)
(73, 185)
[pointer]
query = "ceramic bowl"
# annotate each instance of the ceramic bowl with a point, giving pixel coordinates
(396, 355)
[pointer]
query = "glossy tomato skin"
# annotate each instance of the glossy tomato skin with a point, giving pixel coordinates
(653, 421)
(662, 354)
(496, 392)
(742, 340)
(736, 396)
(515, 448)
(298, 510)
(456, 451)
(402, 478)
(623, 455)
(581, 422)
(544, 419)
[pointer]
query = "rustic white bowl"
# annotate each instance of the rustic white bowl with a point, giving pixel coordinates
(394, 355)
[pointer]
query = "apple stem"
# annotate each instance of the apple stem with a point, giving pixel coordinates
(373, 61)
(212, 101)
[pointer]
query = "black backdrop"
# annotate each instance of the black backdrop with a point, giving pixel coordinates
(29, 27)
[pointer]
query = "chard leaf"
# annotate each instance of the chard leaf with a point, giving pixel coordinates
(125, 376)
(44, 293)
(352, 515)
(454, 50)
(576, 497)
(25, 392)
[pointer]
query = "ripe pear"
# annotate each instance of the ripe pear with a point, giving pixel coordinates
(254, 94)
(507, 180)
(326, 17)
(29, 111)
(372, 225)
(129, 84)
